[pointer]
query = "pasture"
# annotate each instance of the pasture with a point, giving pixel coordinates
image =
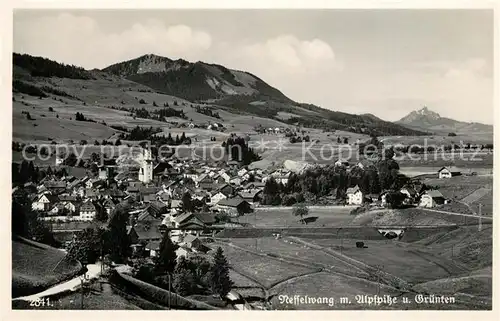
(283, 217)
(264, 270)
(402, 262)
(460, 187)
(296, 252)
(36, 267)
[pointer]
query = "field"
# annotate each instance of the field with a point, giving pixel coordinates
(459, 187)
(411, 266)
(36, 267)
(331, 216)
(266, 271)
(451, 260)
(438, 140)
(412, 217)
(296, 252)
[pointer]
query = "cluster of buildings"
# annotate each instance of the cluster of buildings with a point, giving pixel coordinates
(155, 191)
(427, 198)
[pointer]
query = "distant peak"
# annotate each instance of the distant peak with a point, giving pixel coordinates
(425, 111)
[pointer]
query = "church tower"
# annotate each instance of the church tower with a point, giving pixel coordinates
(146, 170)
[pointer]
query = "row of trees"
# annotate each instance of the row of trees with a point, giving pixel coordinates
(26, 172)
(318, 182)
(158, 114)
(43, 67)
(237, 149)
(207, 111)
(25, 222)
(189, 276)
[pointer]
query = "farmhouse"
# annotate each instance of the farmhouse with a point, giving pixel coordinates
(431, 198)
(216, 197)
(153, 248)
(410, 193)
(448, 172)
(193, 221)
(44, 202)
(88, 210)
(234, 206)
(354, 196)
(251, 196)
(205, 182)
(227, 190)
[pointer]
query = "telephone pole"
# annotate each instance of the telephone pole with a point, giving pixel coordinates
(479, 213)
(169, 291)
(379, 270)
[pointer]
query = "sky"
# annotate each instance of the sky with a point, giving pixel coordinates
(384, 62)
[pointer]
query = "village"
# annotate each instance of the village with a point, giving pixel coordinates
(188, 198)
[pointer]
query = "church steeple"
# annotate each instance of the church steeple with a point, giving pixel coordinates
(146, 170)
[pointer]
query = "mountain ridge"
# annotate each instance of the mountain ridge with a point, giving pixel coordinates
(426, 119)
(234, 91)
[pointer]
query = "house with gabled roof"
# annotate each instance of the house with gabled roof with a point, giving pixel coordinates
(216, 197)
(147, 233)
(234, 206)
(448, 172)
(410, 192)
(227, 189)
(431, 198)
(252, 196)
(354, 196)
(193, 222)
(205, 182)
(88, 210)
(44, 202)
(108, 205)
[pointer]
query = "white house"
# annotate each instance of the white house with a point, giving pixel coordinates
(242, 172)
(43, 202)
(59, 160)
(448, 172)
(383, 199)
(431, 198)
(217, 197)
(226, 177)
(354, 196)
(88, 211)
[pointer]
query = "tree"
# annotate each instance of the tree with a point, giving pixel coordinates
(187, 202)
(183, 282)
(94, 157)
(452, 134)
(83, 142)
(28, 116)
(71, 160)
(219, 274)
(101, 214)
(86, 246)
(118, 238)
(300, 210)
(395, 199)
(154, 104)
(51, 109)
(118, 142)
(165, 262)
